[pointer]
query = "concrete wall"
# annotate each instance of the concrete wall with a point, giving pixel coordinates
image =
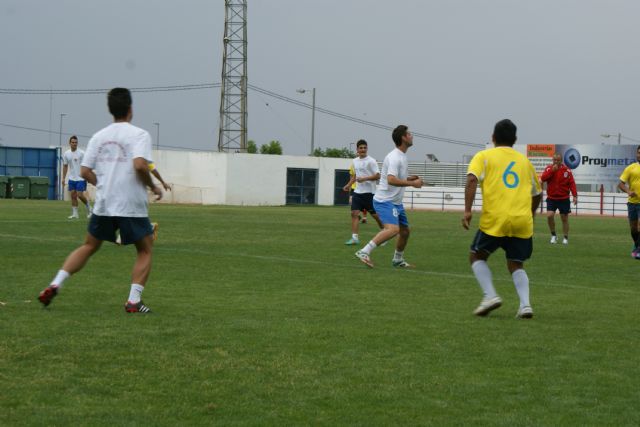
(240, 179)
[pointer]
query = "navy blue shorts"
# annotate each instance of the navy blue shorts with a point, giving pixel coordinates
(131, 229)
(516, 249)
(362, 201)
(77, 185)
(564, 206)
(633, 211)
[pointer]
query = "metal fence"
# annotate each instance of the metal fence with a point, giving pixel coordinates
(452, 199)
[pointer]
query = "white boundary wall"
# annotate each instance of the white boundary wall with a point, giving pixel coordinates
(240, 179)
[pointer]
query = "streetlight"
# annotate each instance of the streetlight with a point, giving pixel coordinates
(157, 135)
(608, 135)
(60, 183)
(313, 113)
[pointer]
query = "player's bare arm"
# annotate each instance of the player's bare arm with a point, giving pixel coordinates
(469, 196)
(88, 175)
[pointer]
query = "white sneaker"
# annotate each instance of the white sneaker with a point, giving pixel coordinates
(554, 239)
(565, 241)
(525, 313)
(364, 258)
(73, 216)
(487, 305)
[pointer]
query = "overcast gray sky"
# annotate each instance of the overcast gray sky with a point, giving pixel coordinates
(565, 71)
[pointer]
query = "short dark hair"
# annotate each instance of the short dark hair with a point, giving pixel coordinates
(119, 101)
(361, 142)
(398, 133)
(73, 137)
(504, 132)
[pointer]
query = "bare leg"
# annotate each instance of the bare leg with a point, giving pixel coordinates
(403, 238)
(551, 221)
(355, 222)
(565, 224)
(142, 266)
(79, 257)
(388, 232)
(74, 198)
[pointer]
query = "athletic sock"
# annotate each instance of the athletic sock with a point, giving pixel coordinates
(369, 247)
(136, 293)
(74, 211)
(521, 281)
(398, 255)
(553, 233)
(483, 276)
(634, 236)
(354, 237)
(58, 281)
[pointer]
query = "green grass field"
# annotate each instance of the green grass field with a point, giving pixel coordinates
(263, 317)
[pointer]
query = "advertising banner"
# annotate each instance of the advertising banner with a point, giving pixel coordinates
(590, 164)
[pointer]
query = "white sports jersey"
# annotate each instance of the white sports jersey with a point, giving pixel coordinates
(110, 154)
(394, 164)
(73, 159)
(365, 167)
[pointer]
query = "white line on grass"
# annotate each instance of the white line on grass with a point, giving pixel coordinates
(355, 265)
(424, 272)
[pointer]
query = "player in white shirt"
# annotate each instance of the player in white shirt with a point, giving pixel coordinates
(117, 163)
(365, 176)
(387, 200)
(71, 160)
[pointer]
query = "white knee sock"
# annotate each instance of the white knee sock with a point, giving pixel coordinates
(135, 295)
(521, 281)
(60, 278)
(484, 278)
(369, 247)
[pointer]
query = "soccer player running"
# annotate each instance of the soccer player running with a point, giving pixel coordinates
(560, 184)
(511, 194)
(366, 173)
(71, 160)
(117, 163)
(387, 200)
(630, 184)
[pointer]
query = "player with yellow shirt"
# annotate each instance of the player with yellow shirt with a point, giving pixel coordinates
(630, 184)
(511, 193)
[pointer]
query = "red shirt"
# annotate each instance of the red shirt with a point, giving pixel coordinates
(559, 183)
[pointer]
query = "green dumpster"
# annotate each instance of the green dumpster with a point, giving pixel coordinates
(4, 183)
(19, 187)
(39, 187)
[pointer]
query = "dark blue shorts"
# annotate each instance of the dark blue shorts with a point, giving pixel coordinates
(77, 185)
(131, 229)
(563, 206)
(516, 249)
(633, 211)
(362, 201)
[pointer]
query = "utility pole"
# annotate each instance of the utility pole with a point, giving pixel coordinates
(233, 94)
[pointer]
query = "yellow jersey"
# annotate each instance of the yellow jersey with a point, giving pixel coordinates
(508, 181)
(631, 176)
(352, 172)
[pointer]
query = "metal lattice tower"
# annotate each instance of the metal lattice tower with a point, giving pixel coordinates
(233, 95)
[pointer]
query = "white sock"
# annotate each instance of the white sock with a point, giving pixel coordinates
(483, 276)
(354, 236)
(74, 211)
(369, 247)
(136, 293)
(521, 281)
(59, 279)
(398, 255)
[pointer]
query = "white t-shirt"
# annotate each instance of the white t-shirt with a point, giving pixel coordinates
(73, 159)
(110, 154)
(365, 167)
(394, 164)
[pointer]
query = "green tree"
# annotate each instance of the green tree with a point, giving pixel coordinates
(273, 147)
(252, 148)
(343, 153)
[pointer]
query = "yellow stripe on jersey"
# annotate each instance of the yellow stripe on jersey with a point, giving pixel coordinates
(152, 166)
(631, 176)
(508, 181)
